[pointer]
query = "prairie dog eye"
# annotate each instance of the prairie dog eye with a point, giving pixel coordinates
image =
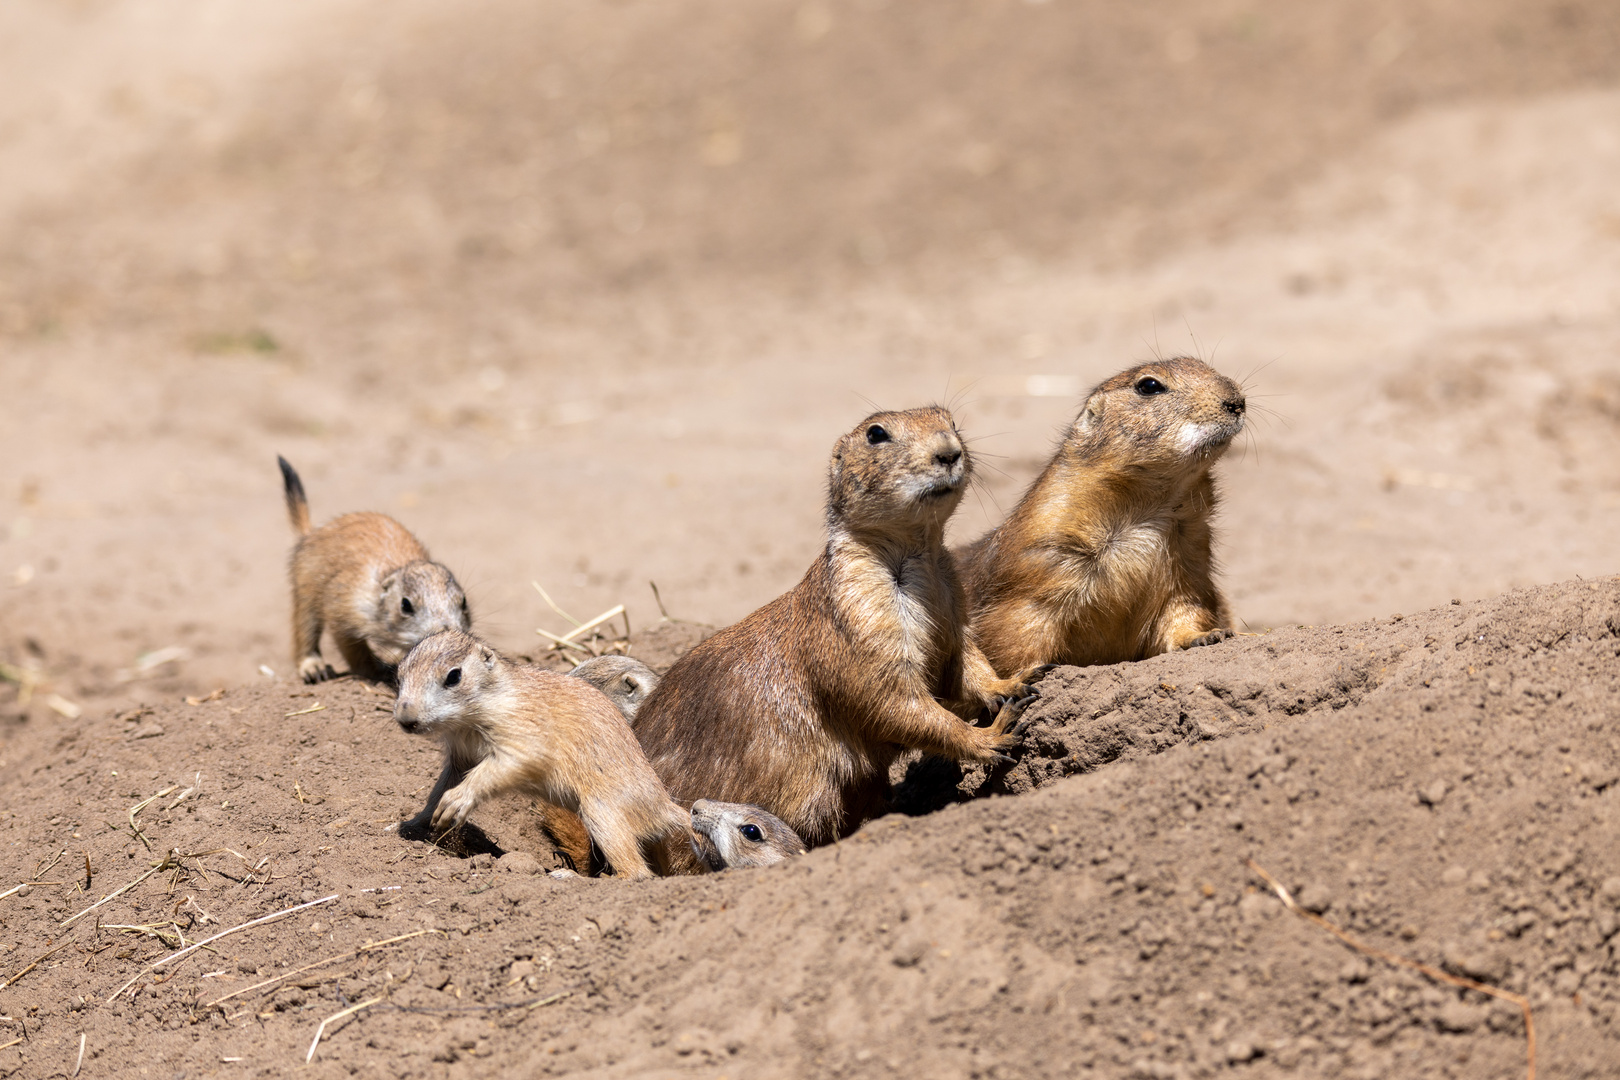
(453, 678)
(751, 832)
(877, 433)
(1147, 386)
(406, 607)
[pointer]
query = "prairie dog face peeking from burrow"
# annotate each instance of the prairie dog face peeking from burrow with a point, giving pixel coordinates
(739, 834)
(625, 681)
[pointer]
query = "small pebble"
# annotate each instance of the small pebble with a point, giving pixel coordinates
(1434, 793)
(1240, 1050)
(1454, 875)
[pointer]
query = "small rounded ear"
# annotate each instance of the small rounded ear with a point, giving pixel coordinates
(1089, 417)
(389, 580)
(489, 659)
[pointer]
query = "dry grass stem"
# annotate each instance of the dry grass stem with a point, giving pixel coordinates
(552, 1000)
(12, 1043)
(552, 604)
(561, 642)
(612, 613)
(272, 917)
(38, 960)
(317, 707)
(171, 861)
(142, 805)
(25, 884)
(361, 951)
(77, 1065)
(1401, 961)
(352, 1009)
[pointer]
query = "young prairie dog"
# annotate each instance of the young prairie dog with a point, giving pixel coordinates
(624, 680)
(509, 727)
(801, 707)
(737, 835)
(1107, 556)
(366, 579)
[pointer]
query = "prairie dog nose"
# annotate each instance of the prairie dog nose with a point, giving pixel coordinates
(1235, 406)
(947, 450)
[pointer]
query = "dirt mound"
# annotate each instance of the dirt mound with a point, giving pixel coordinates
(1443, 785)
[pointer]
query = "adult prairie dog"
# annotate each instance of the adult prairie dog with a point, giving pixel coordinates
(625, 680)
(366, 579)
(509, 727)
(1107, 557)
(737, 835)
(801, 707)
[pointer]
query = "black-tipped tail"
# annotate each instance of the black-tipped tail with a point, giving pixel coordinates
(297, 502)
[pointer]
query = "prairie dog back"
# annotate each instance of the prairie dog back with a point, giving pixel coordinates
(513, 727)
(368, 581)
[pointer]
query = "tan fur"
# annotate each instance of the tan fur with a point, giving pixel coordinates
(801, 707)
(1107, 557)
(626, 681)
(510, 727)
(738, 835)
(353, 577)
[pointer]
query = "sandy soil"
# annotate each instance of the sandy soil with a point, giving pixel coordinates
(583, 292)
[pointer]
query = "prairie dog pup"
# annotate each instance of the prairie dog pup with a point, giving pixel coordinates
(370, 582)
(1107, 556)
(801, 707)
(508, 727)
(734, 834)
(624, 680)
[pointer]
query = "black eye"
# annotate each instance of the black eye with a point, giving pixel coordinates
(407, 607)
(1147, 386)
(453, 678)
(751, 832)
(875, 434)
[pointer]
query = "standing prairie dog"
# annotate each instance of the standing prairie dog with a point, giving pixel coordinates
(801, 707)
(1107, 556)
(738, 835)
(625, 681)
(370, 582)
(513, 728)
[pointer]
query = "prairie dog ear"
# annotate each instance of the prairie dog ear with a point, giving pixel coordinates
(1089, 417)
(488, 658)
(389, 580)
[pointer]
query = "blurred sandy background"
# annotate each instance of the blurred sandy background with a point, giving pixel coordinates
(583, 292)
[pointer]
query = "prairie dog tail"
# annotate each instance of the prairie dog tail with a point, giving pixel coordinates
(297, 502)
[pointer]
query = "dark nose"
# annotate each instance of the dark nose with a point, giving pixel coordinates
(1235, 407)
(948, 458)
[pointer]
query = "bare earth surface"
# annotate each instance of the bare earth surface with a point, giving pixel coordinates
(583, 292)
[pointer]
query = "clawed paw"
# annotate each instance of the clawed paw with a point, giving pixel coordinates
(313, 670)
(1214, 637)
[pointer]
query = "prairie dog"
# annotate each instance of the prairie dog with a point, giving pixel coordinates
(801, 707)
(509, 727)
(371, 583)
(1107, 557)
(624, 680)
(734, 834)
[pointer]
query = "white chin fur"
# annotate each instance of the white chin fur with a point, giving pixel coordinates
(1192, 436)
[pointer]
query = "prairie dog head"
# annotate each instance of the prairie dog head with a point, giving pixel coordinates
(742, 835)
(418, 600)
(898, 468)
(1174, 414)
(626, 682)
(447, 680)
